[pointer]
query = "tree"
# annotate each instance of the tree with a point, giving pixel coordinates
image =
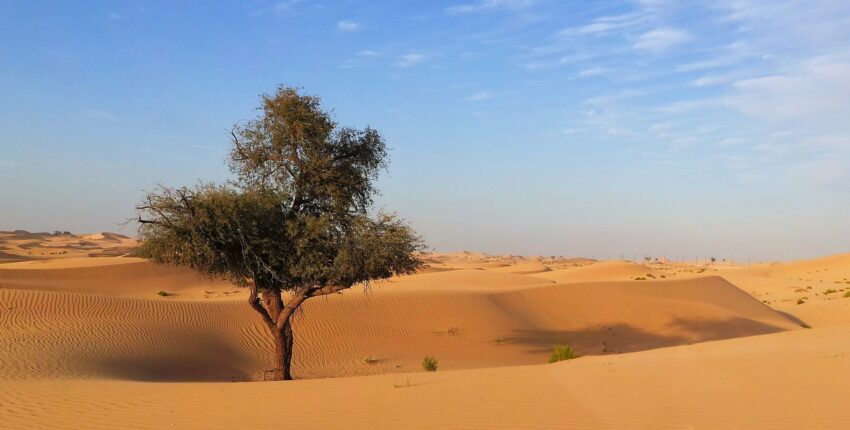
(294, 224)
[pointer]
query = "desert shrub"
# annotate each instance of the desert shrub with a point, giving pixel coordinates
(561, 353)
(829, 291)
(162, 293)
(801, 301)
(847, 293)
(640, 278)
(429, 364)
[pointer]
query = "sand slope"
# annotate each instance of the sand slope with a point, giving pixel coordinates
(115, 276)
(751, 383)
(49, 334)
(600, 271)
(88, 343)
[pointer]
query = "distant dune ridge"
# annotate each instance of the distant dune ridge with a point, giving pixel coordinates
(90, 343)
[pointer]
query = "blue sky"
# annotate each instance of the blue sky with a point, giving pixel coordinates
(517, 126)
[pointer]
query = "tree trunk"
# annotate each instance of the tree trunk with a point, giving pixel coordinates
(283, 343)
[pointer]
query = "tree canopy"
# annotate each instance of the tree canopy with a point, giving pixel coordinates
(295, 218)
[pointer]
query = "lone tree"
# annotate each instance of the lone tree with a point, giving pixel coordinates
(294, 224)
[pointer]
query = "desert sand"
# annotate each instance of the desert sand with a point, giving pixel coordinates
(86, 341)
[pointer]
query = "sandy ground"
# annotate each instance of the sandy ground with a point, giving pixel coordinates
(86, 341)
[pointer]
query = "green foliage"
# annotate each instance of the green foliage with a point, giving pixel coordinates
(829, 291)
(163, 294)
(296, 218)
(429, 364)
(561, 353)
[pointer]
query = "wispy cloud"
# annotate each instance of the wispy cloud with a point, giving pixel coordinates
(594, 71)
(348, 25)
(816, 92)
(480, 96)
(661, 39)
(285, 5)
(410, 59)
(368, 53)
(606, 24)
(483, 6)
(101, 114)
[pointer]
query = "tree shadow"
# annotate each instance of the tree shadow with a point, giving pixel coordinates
(619, 338)
(199, 359)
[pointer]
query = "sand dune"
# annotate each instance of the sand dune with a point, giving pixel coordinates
(28, 246)
(115, 276)
(161, 339)
(751, 383)
(600, 271)
(88, 343)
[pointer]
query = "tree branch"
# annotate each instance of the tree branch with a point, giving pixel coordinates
(254, 301)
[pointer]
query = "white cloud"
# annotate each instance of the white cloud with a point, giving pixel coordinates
(606, 24)
(482, 6)
(346, 25)
(711, 80)
(661, 39)
(480, 96)
(686, 106)
(285, 5)
(594, 71)
(368, 53)
(115, 16)
(816, 94)
(410, 59)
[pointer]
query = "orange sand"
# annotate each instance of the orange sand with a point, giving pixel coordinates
(87, 343)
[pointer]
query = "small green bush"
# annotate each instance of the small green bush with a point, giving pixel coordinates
(429, 364)
(829, 291)
(163, 293)
(561, 353)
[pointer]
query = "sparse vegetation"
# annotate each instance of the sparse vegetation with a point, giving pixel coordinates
(847, 293)
(640, 278)
(163, 294)
(801, 301)
(429, 364)
(561, 353)
(829, 291)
